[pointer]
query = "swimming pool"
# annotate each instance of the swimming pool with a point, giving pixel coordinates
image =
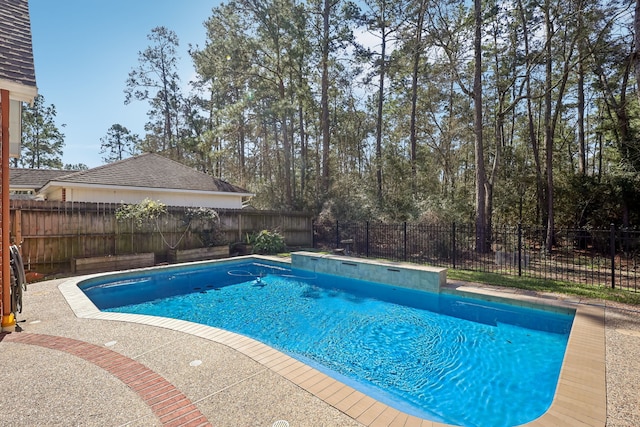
(458, 360)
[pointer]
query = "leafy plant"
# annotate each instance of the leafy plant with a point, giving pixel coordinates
(206, 214)
(250, 238)
(146, 212)
(149, 212)
(268, 242)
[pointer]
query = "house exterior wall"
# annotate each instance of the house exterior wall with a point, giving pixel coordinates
(169, 198)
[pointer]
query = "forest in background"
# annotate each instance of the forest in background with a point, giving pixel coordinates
(424, 111)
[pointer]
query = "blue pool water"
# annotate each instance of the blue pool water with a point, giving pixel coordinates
(442, 357)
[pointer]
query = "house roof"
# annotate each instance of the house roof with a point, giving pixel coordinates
(17, 72)
(34, 178)
(149, 170)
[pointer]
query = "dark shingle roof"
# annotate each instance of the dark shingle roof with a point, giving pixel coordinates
(16, 52)
(150, 171)
(34, 178)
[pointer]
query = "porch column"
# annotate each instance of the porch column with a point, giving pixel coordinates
(8, 319)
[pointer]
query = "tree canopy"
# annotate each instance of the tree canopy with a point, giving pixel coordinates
(420, 110)
(42, 141)
(409, 110)
(118, 144)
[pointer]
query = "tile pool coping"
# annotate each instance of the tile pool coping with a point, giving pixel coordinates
(580, 397)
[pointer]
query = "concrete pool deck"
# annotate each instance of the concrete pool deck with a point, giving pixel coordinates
(53, 375)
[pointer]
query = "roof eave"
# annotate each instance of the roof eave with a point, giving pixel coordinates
(19, 91)
(124, 187)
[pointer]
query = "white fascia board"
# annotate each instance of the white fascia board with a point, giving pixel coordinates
(18, 91)
(128, 188)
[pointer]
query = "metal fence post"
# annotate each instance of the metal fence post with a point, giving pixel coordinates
(313, 234)
(453, 243)
(404, 252)
(612, 243)
(367, 239)
(519, 249)
(337, 234)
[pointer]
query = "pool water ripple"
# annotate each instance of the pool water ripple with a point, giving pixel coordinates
(435, 366)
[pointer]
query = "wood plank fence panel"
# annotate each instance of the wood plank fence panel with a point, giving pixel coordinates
(54, 233)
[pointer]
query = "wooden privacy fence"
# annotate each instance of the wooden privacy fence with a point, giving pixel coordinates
(53, 234)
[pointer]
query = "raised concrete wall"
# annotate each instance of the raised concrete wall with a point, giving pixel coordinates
(406, 275)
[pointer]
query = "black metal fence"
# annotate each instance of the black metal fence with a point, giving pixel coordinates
(597, 257)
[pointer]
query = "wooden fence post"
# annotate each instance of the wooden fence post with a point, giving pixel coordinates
(17, 224)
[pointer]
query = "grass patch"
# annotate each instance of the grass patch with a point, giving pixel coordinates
(542, 285)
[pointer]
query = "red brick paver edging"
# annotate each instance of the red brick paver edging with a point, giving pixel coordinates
(170, 405)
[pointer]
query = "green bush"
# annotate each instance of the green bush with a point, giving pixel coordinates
(268, 242)
(146, 212)
(149, 213)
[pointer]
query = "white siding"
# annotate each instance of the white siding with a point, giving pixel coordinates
(169, 198)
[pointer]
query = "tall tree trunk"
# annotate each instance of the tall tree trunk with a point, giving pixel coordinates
(286, 149)
(532, 133)
(481, 181)
(548, 135)
(324, 98)
(303, 152)
(582, 152)
(241, 144)
(417, 53)
(383, 52)
(166, 140)
(491, 181)
(551, 120)
(448, 174)
(636, 45)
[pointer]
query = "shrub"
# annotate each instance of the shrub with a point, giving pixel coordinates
(268, 242)
(145, 212)
(149, 212)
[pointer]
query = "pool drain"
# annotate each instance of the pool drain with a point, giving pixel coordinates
(281, 423)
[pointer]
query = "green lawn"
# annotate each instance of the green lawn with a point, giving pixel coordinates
(540, 285)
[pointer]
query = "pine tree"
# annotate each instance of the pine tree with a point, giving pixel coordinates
(42, 141)
(118, 144)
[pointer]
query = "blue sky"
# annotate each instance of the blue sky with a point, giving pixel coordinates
(83, 52)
